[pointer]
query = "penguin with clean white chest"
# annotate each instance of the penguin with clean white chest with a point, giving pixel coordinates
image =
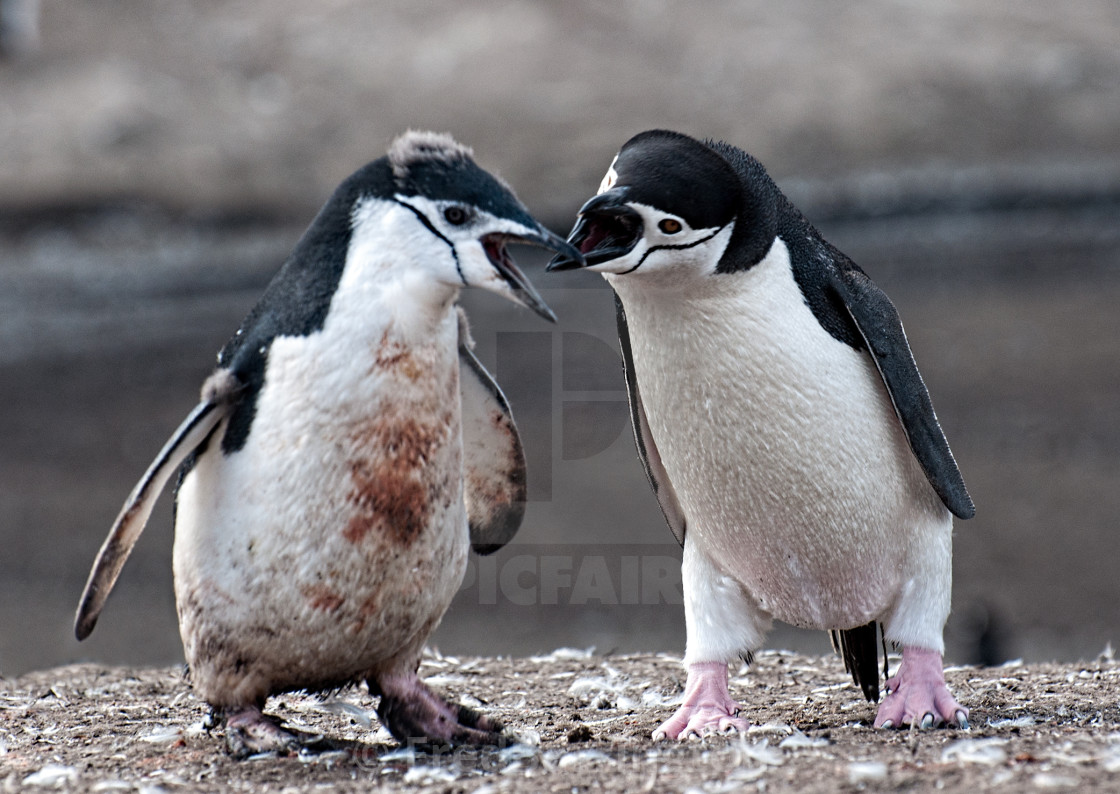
(783, 425)
(345, 454)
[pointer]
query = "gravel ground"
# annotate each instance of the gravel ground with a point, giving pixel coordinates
(584, 723)
(161, 156)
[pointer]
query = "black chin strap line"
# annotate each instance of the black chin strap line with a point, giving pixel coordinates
(431, 227)
(680, 247)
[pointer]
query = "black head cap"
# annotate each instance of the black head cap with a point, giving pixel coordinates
(708, 183)
(436, 166)
(681, 175)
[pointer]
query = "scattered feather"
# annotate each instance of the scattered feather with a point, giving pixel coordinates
(1051, 780)
(512, 769)
(800, 741)
(564, 655)
(745, 774)
(516, 753)
(347, 709)
(866, 772)
(403, 754)
(976, 751)
(584, 757)
(769, 727)
(527, 737)
(52, 775)
(327, 759)
(1111, 762)
(760, 752)
(427, 775)
(655, 698)
(163, 735)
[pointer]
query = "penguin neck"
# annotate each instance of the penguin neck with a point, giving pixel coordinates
(714, 302)
(389, 276)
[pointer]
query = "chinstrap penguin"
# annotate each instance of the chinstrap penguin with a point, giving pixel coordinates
(345, 454)
(782, 423)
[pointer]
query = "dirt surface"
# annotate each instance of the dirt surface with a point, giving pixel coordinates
(584, 723)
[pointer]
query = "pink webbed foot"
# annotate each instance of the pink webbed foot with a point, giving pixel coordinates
(918, 695)
(707, 705)
(249, 732)
(417, 716)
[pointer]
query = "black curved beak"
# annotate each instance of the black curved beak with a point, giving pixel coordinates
(605, 229)
(523, 290)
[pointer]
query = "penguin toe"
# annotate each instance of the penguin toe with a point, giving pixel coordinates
(698, 721)
(418, 717)
(250, 732)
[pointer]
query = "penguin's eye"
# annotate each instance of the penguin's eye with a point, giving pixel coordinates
(456, 215)
(669, 226)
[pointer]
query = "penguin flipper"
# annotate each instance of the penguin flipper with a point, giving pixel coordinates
(643, 436)
(195, 429)
(878, 323)
(493, 459)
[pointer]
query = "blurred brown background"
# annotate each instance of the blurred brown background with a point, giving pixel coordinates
(158, 158)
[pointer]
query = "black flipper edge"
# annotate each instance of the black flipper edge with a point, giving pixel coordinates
(879, 325)
(643, 437)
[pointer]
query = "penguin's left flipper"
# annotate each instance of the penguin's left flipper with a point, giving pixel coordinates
(878, 323)
(643, 436)
(218, 398)
(493, 460)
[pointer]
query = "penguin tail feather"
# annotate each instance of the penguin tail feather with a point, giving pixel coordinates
(859, 649)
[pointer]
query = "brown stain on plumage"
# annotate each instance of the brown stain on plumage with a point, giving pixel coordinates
(492, 489)
(394, 356)
(395, 474)
(393, 489)
(322, 597)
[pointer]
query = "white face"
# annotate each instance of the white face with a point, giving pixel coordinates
(462, 228)
(448, 242)
(667, 244)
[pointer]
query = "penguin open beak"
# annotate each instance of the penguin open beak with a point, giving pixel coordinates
(606, 229)
(495, 247)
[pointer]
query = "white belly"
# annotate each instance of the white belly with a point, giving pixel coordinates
(782, 445)
(330, 545)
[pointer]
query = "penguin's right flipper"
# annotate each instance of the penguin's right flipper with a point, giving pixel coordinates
(643, 437)
(494, 484)
(218, 399)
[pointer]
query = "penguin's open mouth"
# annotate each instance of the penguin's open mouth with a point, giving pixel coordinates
(495, 247)
(606, 229)
(603, 236)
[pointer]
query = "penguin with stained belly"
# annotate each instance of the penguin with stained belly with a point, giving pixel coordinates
(346, 453)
